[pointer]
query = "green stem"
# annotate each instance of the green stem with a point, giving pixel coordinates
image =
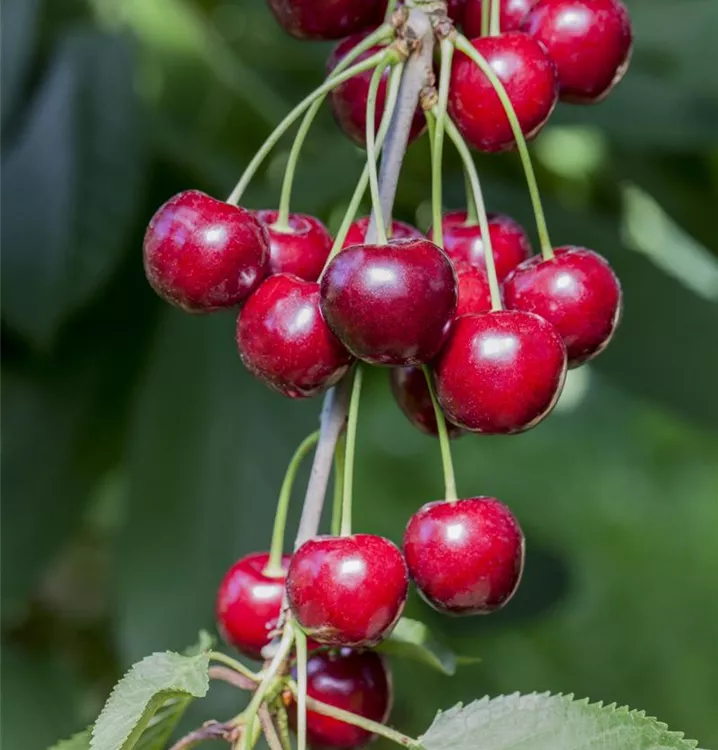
(472, 218)
(273, 567)
(301, 649)
(390, 8)
(495, 19)
(371, 152)
(444, 442)
(288, 121)
(463, 44)
(218, 656)
(338, 486)
(346, 524)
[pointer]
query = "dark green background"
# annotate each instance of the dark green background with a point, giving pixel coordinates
(139, 459)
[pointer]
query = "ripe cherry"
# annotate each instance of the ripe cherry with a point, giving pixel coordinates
(577, 292)
(390, 304)
(349, 590)
(589, 41)
(474, 290)
(202, 254)
(466, 556)
(511, 13)
(399, 231)
(327, 19)
(302, 249)
(355, 681)
(463, 242)
(500, 372)
(284, 341)
(349, 99)
(408, 385)
(248, 603)
(528, 76)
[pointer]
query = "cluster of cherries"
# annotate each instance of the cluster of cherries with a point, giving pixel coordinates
(307, 314)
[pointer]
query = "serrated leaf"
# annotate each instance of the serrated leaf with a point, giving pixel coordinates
(79, 741)
(541, 721)
(162, 725)
(146, 688)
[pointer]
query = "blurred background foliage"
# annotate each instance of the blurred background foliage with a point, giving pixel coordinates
(139, 459)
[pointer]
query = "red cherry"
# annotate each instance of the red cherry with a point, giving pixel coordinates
(301, 250)
(399, 231)
(355, 681)
(408, 385)
(347, 591)
(528, 76)
(511, 14)
(589, 41)
(465, 557)
(349, 99)
(577, 292)
(463, 242)
(284, 341)
(500, 372)
(248, 603)
(202, 254)
(474, 290)
(456, 10)
(390, 304)
(327, 19)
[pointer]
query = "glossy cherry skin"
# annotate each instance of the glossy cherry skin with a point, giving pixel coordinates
(529, 78)
(355, 681)
(284, 341)
(500, 372)
(589, 42)
(390, 304)
(248, 604)
(577, 292)
(463, 242)
(347, 591)
(349, 99)
(411, 393)
(327, 19)
(474, 290)
(301, 250)
(399, 231)
(465, 557)
(202, 254)
(511, 14)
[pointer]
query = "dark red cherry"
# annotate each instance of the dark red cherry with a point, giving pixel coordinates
(284, 341)
(528, 76)
(466, 556)
(202, 254)
(463, 242)
(302, 249)
(589, 42)
(248, 603)
(577, 292)
(399, 231)
(349, 99)
(500, 372)
(390, 304)
(347, 591)
(355, 681)
(474, 290)
(511, 14)
(408, 385)
(327, 19)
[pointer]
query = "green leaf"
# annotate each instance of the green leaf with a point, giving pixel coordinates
(148, 686)
(541, 721)
(79, 741)
(162, 724)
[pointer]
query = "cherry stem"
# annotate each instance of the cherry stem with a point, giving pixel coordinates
(237, 666)
(472, 218)
(485, 17)
(301, 649)
(273, 568)
(274, 741)
(345, 528)
(495, 19)
(390, 8)
(288, 121)
(465, 46)
(281, 224)
(444, 442)
(339, 462)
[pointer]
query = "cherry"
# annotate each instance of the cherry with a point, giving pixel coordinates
(528, 76)
(349, 99)
(390, 304)
(302, 249)
(576, 291)
(466, 556)
(355, 681)
(248, 603)
(474, 290)
(408, 385)
(511, 13)
(202, 254)
(349, 590)
(399, 231)
(327, 19)
(500, 372)
(589, 41)
(463, 242)
(284, 341)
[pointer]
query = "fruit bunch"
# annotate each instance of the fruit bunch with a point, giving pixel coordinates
(476, 330)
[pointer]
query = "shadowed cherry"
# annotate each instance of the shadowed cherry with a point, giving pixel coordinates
(474, 290)
(399, 231)
(511, 14)
(327, 19)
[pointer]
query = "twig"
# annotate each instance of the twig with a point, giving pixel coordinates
(233, 678)
(270, 731)
(212, 730)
